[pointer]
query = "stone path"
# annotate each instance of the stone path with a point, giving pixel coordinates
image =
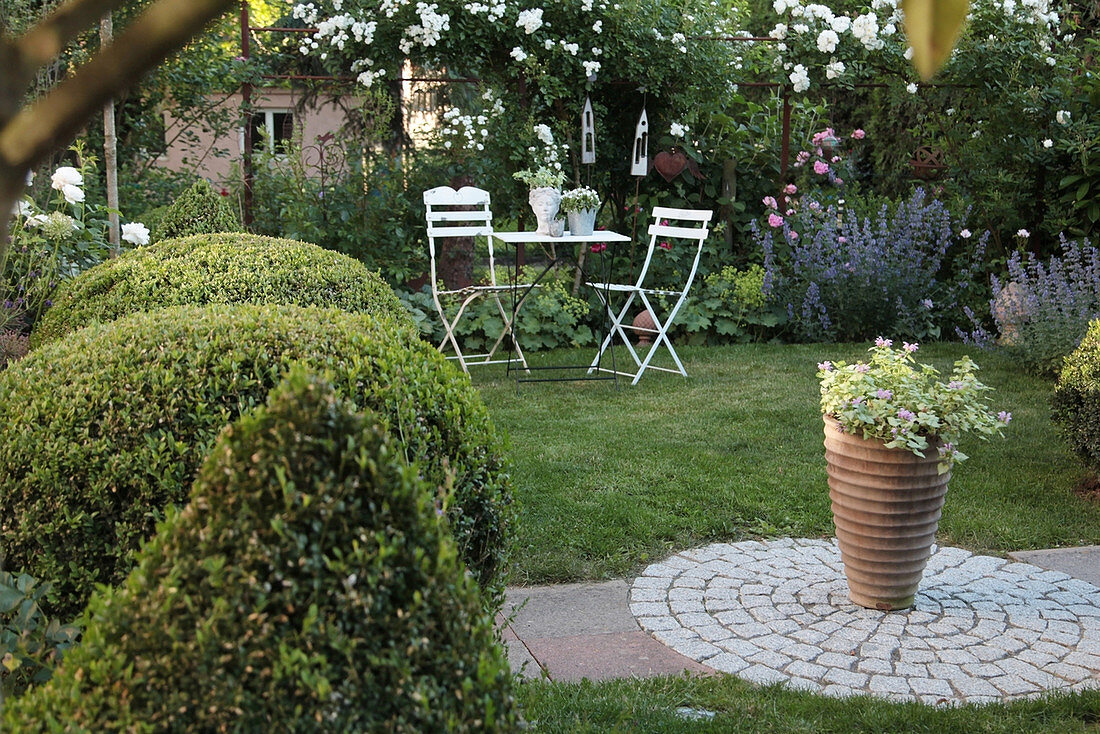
(982, 628)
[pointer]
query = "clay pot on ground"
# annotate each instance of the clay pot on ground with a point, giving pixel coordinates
(886, 505)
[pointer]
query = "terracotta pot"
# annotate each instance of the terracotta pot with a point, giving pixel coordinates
(886, 505)
(644, 321)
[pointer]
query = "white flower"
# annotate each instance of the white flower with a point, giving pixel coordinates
(518, 54)
(1023, 233)
(598, 26)
(1051, 61)
(30, 177)
(591, 68)
(22, 208)
(72, 194)
(780, 6)
(965, 234)
(800, 28)
(827, 41)
(36, 220)
(800, 78)
(1048, 143)
(543, 133)
(1062, 116)
(834, 70)
(135, 232)
(69, 176)
(911, 87)
(865, 29)
(908, 53)
(841, 23)
(677, 130)
(779, 32)
(530, 20)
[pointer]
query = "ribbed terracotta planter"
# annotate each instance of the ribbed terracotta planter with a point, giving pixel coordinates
(886, 505)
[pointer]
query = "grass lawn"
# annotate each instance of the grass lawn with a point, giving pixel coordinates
(609, 480)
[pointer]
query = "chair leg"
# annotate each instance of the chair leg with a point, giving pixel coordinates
(662, 337)
(508, 330)
(616, 328)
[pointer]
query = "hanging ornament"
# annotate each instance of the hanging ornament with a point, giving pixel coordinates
(588, 133)
(640, 165)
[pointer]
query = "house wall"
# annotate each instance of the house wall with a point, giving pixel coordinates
(217, 157)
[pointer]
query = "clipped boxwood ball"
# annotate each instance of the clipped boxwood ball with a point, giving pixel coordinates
(217, 268)
(1075, 406)
(308, 586)
(199, 210)
(103, 429)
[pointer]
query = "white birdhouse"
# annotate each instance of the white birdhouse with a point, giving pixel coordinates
(640, 165)
(588, 133)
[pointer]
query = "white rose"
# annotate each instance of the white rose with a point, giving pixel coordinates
(72, 194)
(66, 176)
(135, 232)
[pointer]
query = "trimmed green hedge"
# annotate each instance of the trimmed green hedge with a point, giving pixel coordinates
(199, 210)
(217, 268)
(100, 431)
(1075, 406)
(308, 586)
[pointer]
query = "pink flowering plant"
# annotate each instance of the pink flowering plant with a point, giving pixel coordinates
(889, 398)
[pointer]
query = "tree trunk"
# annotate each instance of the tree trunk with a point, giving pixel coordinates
(110, 146)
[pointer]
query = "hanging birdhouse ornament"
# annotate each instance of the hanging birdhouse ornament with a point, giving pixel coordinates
(640, 165)
(588, 133)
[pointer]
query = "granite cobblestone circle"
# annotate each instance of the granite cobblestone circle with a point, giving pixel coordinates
(981, 629)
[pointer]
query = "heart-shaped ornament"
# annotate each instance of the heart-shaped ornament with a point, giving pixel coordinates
(670, 165)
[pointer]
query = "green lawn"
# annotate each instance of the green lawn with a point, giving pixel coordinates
(608, 480)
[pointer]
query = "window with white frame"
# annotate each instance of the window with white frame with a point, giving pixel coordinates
(271, 130)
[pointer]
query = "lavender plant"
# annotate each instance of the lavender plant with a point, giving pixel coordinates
(1043, 311)
(843, 278)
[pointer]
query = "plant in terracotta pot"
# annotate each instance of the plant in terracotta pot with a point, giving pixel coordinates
(580, 207)
(891, 438)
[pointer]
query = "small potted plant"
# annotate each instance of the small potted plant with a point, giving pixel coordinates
(580, 207)
(544, 196)
(891, 439)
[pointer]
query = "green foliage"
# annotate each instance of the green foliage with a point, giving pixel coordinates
(1076, 401)
(217, 268)
(728, 306)
(551, 316)
(88, 465)
(199, 210)
(355, 201)
(889, 399)
(308, 586)
(31, 645)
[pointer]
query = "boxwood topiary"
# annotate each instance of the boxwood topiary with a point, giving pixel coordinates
(308, 586)
(1076, 401)
(100, 431)
(199, 210)
(217, 268)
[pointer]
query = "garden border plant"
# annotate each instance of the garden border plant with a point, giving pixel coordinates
(308, 585)
(218, 268)
(121, 443)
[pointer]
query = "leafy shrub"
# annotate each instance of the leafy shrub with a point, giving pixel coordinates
(199, 210)
(843, 278)
(728, 305)
(551, 316)
(107, 427)
(1076, 401)
(1045, 310)
(31, 645)
(308, 586)
(217, 268)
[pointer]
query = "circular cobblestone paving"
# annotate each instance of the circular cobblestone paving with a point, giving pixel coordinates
(981, 629)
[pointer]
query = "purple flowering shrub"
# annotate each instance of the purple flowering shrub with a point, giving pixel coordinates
(1043, 310)
(844, 277)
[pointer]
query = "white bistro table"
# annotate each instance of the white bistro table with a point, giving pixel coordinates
(564, 251)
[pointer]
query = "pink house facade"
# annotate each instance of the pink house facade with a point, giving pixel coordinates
(217, 157)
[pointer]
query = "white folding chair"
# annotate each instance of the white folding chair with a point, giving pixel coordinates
(466, 213)
(678, 227)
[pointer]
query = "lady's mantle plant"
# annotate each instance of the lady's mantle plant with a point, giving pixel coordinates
(578, 200)
(889, 399)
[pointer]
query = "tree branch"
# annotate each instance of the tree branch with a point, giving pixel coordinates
(51, 121)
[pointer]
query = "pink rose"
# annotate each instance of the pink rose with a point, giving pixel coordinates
(774, 220)
(821, 168)
(790, 189)
(858, 134)
(794, 235)
(769, 201)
